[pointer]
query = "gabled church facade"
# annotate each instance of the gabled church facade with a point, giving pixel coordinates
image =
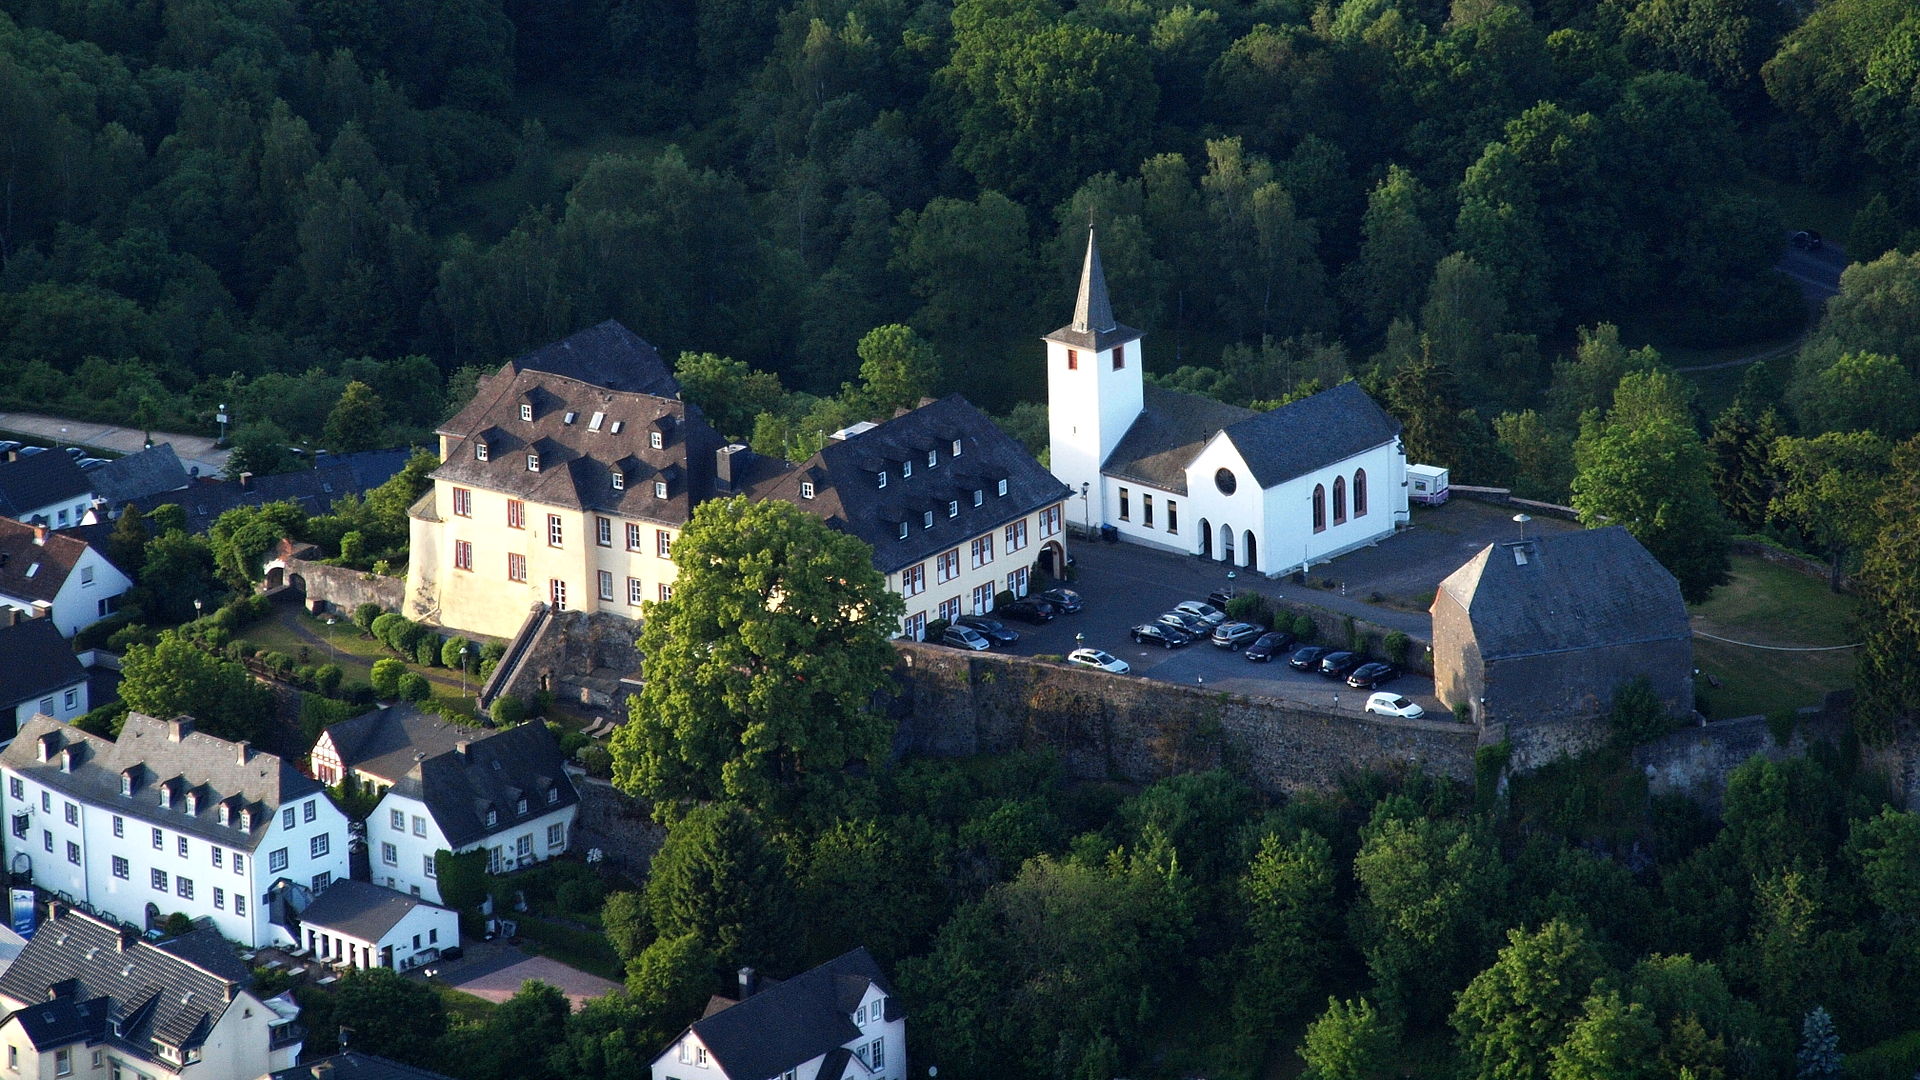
(1268, 492)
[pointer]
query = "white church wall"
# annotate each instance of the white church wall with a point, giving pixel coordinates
(1290, 510)
(1242, 511)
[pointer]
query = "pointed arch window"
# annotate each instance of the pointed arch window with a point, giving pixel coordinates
(1339, 500)
(1319, 508)
(1359, 493)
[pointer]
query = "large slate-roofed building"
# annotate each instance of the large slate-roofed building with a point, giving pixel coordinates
(837, 1021)
(1543, 631)
(381, 746)
(47, 488)
(38, 674)
(314, 490)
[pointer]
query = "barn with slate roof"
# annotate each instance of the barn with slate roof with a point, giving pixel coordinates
(1267, 491)
(1543, 631)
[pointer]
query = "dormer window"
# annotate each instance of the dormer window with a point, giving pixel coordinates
(193, 802)
(883, 478)
(953, 507)
(526, 411)
(933, 458)
(903, 530)
(906, 468)
(979, 496)
(619, 480)
(954, 450)
(553, 795)
(659, 489)
(926, 520)
(226, 814)
(246, 822)
(656, 440)
(806, 489)
(521, 807)
(533, 462)
(126, 784)
(493, 817)
(479, 451)
(1003, 487)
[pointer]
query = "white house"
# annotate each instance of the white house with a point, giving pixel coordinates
(838, 1021)
(506, 793)
(355, 924)
(45, 489)
(38, 674)
(163, 820)
(90, 999)
(377, 748)
(1266, 491)
(58, 576)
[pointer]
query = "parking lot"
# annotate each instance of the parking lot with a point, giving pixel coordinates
(1124, 585)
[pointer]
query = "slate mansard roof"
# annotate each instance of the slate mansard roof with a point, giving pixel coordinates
(35, 661)
(845, 475)
(34, 569)
(1564, 591)
(596, 399)
(793, 1022)
(38, 480)
(157, 756)
(383, 742)
(79, 973)
(1278, 445)
(459, 787)
(359, 909)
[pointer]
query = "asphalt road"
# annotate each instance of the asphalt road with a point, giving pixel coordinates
(1816, 269)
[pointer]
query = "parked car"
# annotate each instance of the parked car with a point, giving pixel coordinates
(1234, 635)
(1368, 676)
(1211, 615)
(1161, 634)
(995, 631)
(1337, 665)
(1808, 238)
(1219, 597)
(1028, 609)
(1192, 624)
(1390, 704)
(73, 452)
(964, 637)
(91, 463)
(1099, 658)
(1066, 601)
(1268, 645)
(29, 451)
(8, 446)
(1308, 659)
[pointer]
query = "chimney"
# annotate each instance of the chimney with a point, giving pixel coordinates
(41, 608)
(461, 748)
(723, 467)
(749, 982)
(240, 752)
(246, 479)
(39, 533)
(126, 938)
(179, 728)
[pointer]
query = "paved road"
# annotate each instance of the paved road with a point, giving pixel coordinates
(194, 450)
(1816, 269)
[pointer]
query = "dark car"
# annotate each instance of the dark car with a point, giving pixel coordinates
(1028, 609)
(1194, 625)
(1233, 635)
(90, 463)
(1808, 238)
(29, 451)
(1336, 665)
(1368, 676)
(1308, 659)
(1066, 600)
(1268, 645)
(73, 452)
(1219, 597)
(992, 629)
(8, 446)
(1161, 634)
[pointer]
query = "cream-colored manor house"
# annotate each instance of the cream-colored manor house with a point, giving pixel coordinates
(568, 477)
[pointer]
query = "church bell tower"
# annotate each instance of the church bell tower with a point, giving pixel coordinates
(1094, 387)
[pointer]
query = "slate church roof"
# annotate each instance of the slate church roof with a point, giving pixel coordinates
(1311, 433)
(923, 477)
(793, 1022)
(492, 773)
(1564, 591)
(1093, 326)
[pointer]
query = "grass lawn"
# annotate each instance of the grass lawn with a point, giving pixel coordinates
(1772, 605)
(462, 1007)
(574, 946)
(355, 653)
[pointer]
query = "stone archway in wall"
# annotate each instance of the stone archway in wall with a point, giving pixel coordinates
(1251, 553)
(297, 583)
(1226, 543)
(1053, 559)
(1206, 539)
(276, 577)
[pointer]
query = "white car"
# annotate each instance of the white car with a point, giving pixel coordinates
(1206, 613)
(1389, 704)
(1099, 658)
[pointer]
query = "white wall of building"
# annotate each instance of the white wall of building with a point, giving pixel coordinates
(413, 848)
(1090, 406)
(78, 604)
(419, 936)
(66, 704)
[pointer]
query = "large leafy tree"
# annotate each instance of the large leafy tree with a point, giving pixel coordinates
(1291, 928)
(762, 670)
(1352, 1040)
(1427, 890)
(1889, 677)
(175, 677)
(720, 878)
(390, 1015)
(1397, 253)
(1512, 1015)
(1827, 487)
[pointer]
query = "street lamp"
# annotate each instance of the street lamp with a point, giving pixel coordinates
(1521, 520)
(333, 651)
(463, 670)
(1086, 511)
(222, 417)
(198, 606)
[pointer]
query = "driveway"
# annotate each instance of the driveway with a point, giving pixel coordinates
(193, 450)
(1405, 571)
(1816, 270)
(497, 973)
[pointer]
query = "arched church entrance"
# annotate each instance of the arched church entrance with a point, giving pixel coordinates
(1253, 559)
(1226, 544)
(1206, 539)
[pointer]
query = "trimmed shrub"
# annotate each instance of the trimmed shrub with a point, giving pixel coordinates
(97, 635)
(386, 677)
(1463, 713)
(326, 679)
(358, 694)
(937, 627)
(1003, 598)
(1250, 607)
(179, 923)
(364, 615)
(508, 710)
(580, 896)
(450, 653)
(382, 627)
(132, 634)
(596, 759)
(426, 651)
(415, 687)
(1397, 644)
(1305, 629)
(492, 650)
(317, 714)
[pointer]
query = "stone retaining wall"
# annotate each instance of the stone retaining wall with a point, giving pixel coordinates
(620, 826)
(335, 589)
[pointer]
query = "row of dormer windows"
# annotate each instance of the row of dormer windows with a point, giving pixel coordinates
(953, 508)
(906, 465)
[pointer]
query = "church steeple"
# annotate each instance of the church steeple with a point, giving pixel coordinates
(1093, 311)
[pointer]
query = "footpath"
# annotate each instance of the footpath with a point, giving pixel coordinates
(194, 450)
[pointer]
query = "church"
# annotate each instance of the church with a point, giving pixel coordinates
(1269, 492)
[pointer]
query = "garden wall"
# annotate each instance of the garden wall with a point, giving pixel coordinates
(617, 824)
(335, 589)
(1696, 761)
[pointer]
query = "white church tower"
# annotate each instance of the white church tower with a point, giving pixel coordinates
(1093, 387)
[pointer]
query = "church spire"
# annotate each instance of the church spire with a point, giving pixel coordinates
(1093, 311)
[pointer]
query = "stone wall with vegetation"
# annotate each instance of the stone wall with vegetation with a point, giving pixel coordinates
(1124, 727)
(342, 589)
(617, 824)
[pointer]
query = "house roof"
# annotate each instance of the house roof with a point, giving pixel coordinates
(845, 475)
(314, 490)
(361, 910)
(493, 773)
(162, 755)
(1093, 326)
(38, 662)
(33, 569)
(596, 400)
(383, 742)
(791, 1023)
(50, 1024)
(38, 480)
(149, 472)
(151, 992)
(1311, 433)
(1167, 435)
(1558, 592)
(353, 1065)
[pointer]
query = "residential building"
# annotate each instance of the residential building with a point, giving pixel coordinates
(356, 924)
(88, 998)
(564, 482)
(56, 575)
(1546, 629)
(45, 488)
(955, 510)
(838, 1021)
(352, 1065)
(314, 490)
(507, 794)
(377, 748)
(40, 674)
(153, 471)
(165, 819)
(1267, 491)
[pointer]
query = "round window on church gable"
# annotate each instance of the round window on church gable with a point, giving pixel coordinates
(1224, 481)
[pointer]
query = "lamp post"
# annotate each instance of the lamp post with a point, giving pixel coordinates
(222, 417)
(1521, 520)
(1086, 510)
(198, 606)
(463, 670)
(333, 651)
